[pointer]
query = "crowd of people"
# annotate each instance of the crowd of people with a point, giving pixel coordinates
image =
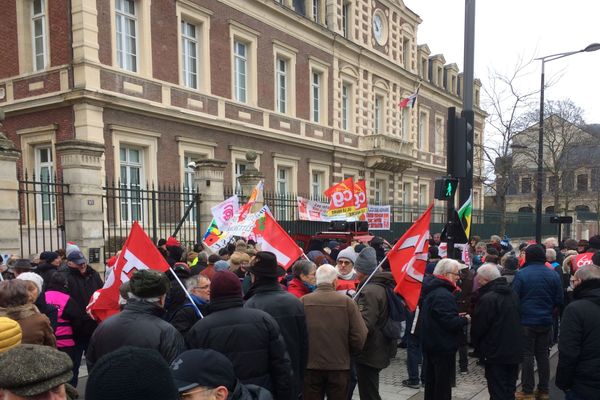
(242, 327)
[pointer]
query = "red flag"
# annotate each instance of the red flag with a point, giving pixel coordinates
(246, 208)
(138, 253)
(361, 202)
(272, 237)
(341, 197)
(408, 259)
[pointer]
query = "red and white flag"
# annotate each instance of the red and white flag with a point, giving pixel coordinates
(138, 253)
(341, 197)
(224, 211)
(246, 208)
(408, 259)
(270, 236)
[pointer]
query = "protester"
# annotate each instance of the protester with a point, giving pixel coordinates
(196, 382)
(373, 306)
(221, 265)
(540, 292)
(347, 280)
(463, 300)
(377, 243)
(209, 271)
(317, 254)
(336, 331)
(10, 334)
(496, 332)
(50, 261)
(238, 263)
(582, 246)
(176, 295)
(440, 324)
(268, 295)
(250, 338)
(22, 265)
(433, 256)
(304, 279)
(35, 285)
(16, 303)
(140, 323)
(187, 315)
(578, 371)
(131, 373)
(199, 263)
(510, 264)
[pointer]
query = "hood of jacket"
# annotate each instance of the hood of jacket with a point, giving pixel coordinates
(143, 307)
(263, 286)
(498, 285)
(432, 282)
(589, 290)
(382, 278)
(19, 312)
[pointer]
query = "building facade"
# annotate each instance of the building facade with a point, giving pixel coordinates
(129, 92)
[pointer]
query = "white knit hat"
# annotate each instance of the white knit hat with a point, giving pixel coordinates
(71, 247)
(33, 277)
(348, 253)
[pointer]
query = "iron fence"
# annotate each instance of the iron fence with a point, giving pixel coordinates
(160, 210)
(41, 213)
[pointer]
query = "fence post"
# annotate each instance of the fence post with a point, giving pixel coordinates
(250, 178)
(154, 211)
(9, 197)
(81, 161)
(208, 180)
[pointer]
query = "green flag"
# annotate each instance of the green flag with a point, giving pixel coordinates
(465, 214)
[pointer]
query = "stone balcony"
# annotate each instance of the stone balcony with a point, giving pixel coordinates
(387, 153)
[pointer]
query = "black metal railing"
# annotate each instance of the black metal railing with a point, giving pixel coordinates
(41, 213)
(160, 210)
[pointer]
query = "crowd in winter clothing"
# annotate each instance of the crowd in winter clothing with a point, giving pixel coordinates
(319, 329)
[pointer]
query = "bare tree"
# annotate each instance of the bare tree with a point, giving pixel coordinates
(508, 104)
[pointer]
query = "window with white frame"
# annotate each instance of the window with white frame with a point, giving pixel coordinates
(189, 54)
(281, 71)
(346, 106)
(405, 123)
(240, 70)
(439, 135)
(317, 183)
(189, 188)
(378, 114)
(283, 180)
(406, 52)
(240, 167)
(315, 94)
(422, 137)
(38, 34)
(407, 194)
(346, 19)
(44, 174)
(131, 164)
(380, 191)
(423, 195)
(316, 10)
(126, 28)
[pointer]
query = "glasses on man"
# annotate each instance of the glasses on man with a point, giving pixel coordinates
(344, 262)
(204, 287)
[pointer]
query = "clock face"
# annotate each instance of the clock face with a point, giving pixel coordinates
(379, 29)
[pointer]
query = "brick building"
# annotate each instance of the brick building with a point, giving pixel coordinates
(133, 90)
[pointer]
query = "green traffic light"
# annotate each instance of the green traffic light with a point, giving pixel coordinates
(449, 189)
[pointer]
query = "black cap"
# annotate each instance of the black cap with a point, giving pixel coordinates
(202, 367)
(23, 263)
(148, 283)
(265, 264)
(49, 256)
(535, 253)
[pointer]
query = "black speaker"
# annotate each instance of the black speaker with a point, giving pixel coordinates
(338, 226)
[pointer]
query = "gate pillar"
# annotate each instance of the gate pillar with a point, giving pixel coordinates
(9, 198)
(209, 180)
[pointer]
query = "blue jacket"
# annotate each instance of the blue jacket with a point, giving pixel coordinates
(540, 290)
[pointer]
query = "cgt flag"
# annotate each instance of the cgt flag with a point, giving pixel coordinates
(341, 197)
(137, 253)
(408, 259)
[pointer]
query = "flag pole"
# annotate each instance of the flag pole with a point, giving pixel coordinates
(189, 296)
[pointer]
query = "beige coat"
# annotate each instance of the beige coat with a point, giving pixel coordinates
(336, 329)
(35, 325)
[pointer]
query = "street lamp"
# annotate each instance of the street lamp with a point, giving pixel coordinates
(540, 166)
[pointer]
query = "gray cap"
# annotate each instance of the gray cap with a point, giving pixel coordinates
(366, 262)
(31, 369)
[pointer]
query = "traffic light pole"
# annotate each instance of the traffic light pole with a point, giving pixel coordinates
(450, 161)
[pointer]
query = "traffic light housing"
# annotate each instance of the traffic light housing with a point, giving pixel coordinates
(445, 188)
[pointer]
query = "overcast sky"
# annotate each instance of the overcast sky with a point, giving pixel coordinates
(506, 30)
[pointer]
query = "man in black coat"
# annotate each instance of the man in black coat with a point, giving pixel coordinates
(496, 332)
(250, 338)
(441, 325)
(140, 324)
(578, 371)
(268, 295)
(50, 261)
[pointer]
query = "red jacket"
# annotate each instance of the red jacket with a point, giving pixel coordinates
(343, 284)
(297, 288)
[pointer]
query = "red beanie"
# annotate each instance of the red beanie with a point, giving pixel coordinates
(225, 284)
(172, 241)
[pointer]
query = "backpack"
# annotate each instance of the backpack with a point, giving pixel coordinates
(392, 328)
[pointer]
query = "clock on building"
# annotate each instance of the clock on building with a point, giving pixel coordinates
(380, 31)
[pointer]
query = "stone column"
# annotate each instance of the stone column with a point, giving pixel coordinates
(250, 178)
(209, 180)
(9, 197)
(81, 162)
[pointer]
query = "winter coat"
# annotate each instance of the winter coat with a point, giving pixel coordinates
(579, 342)
(35, 326)
(297, 287)
(288, 311)
(463, 299)
(439, 319)
(46, 271)
(249, 392)
(496, 331)
(509, 274)
(140, 325)
(251, 339)
(336, 329)
(373, 307)
(186, 315)
(540, 291)
(81, 289)
(69, 313)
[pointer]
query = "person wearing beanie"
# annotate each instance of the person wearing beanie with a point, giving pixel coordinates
(267, 294)
(140, 323)
(16, 303)
(303, 278)
(250, 338)
(35, 285)
(192, 378)
(221, 265)
(540, 292)
(373, 305)
(10, 334)
(50, 261)
(35, 372)
(347, 279)
(131, 373)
